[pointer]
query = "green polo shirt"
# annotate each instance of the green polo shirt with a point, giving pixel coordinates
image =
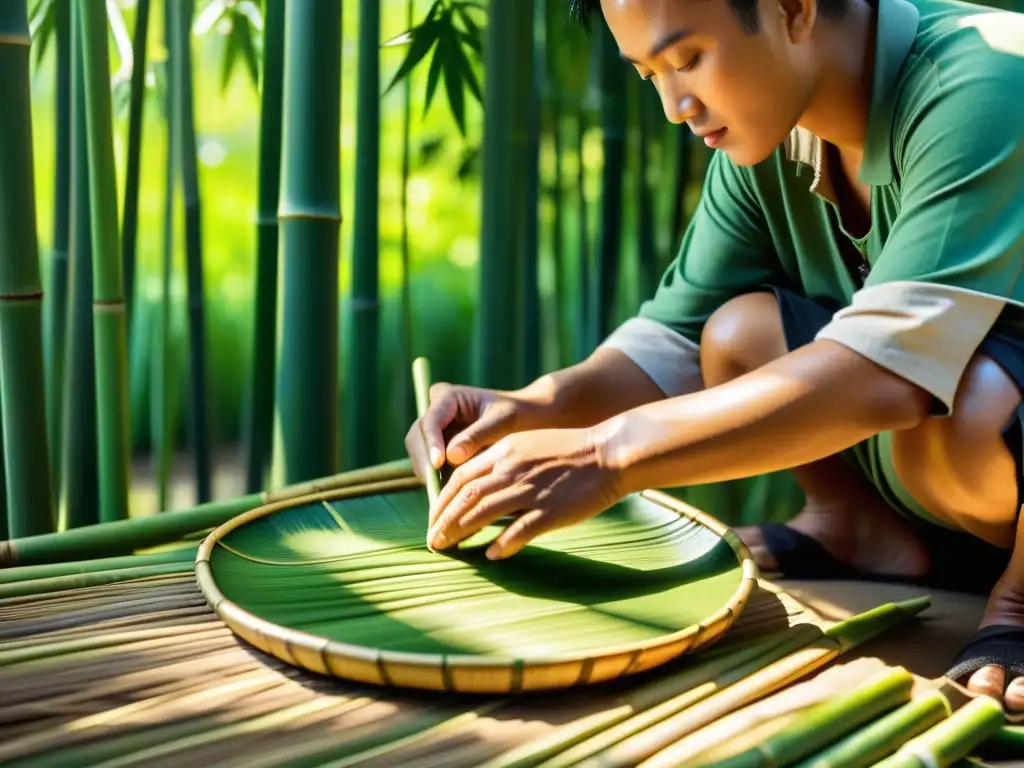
(944, 156)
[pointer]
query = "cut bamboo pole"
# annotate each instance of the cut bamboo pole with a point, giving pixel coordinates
(645, 742)
(123, 537)
(306, 432)
(362, 384)
(260, 421)
(810, 730)
(109, 309)
(952, 739)
(30, 508)
(873, 742)
(79, 491)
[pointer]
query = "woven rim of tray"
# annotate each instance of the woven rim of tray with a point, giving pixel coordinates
(466, 673)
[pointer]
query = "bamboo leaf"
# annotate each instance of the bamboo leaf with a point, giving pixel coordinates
(453, 79)
(423, 39)
(433, 77)
(41, 26)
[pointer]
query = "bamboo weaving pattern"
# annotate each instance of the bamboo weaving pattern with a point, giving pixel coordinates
(347, 587)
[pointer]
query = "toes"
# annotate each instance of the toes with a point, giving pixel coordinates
(989, 680)
(1015, 694)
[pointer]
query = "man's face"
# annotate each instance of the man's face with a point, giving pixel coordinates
(742, 91)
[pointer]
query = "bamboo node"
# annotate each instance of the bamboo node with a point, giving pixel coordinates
(15, 297)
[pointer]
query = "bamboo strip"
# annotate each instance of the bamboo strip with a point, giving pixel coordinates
(97, 565)
(952, 739)
(421, 387)
(124, 537)
(873, 742)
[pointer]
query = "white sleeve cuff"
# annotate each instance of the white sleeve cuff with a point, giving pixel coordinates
(670, 359)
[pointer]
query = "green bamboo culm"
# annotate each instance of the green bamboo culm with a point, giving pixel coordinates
(108, 296)
(260, 422)
(362, 383)
(873, 742)
(180, 24)
(79, 491)
(130, 220)
(496, 339)
(531, 42)
(30, 508)
(305, 427)
(56, 301)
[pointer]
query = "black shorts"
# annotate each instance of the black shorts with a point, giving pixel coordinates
(802, 318)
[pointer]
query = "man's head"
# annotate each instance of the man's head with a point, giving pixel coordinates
(743, 71)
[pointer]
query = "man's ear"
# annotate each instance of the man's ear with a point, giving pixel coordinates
(797, 18)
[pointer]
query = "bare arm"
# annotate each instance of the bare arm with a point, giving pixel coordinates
(605, 384)
(812, 403)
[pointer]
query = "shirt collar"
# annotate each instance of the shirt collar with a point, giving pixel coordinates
(897, 27)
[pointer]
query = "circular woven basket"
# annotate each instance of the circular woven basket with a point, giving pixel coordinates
(674, 554)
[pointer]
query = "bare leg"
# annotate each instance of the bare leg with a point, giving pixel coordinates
(843, 512)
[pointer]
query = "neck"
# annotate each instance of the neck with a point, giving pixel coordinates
(838, 111)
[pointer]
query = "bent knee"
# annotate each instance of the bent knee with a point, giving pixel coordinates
(742, 335)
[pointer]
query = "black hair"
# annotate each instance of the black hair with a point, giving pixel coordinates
(745, 10)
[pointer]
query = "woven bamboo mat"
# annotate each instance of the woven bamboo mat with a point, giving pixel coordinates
(143, 672)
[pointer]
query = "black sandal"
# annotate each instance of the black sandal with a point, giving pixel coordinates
(999, 644)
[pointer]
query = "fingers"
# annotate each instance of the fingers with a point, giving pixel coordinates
(443, 410)
(457, 492)
(492, 425)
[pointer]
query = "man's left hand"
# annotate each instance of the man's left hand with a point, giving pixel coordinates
(548, 479)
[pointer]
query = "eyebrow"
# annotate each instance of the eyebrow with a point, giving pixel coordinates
(669, 39)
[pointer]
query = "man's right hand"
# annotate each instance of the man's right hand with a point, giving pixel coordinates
(462, 421)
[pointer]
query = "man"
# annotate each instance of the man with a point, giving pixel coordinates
(847, 303)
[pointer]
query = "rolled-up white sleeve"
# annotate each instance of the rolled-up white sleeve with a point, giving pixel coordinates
(670, 359)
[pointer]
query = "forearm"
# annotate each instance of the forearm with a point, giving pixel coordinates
(812, 403)
(605, 384)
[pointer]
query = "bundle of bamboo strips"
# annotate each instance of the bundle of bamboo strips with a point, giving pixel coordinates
(142, 670)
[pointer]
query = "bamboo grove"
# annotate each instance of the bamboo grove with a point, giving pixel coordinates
(583, 192)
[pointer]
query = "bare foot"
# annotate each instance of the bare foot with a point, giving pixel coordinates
(856, 526)
(1006, 608)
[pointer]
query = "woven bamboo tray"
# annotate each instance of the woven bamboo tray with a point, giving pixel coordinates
(476, 672)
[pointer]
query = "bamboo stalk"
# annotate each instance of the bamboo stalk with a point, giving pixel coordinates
(952, 739)
(261, 383)
(531, 86)
(310, 216)
(56, 302)
(30, 508)
(812, 729)
(122, 537)
(644, 742)
(79, 493)
(130, 220)
(363, 379)
(48, 571)
(872, 743)
(612, 87)
(180, 23)
(1008, 741)
(499, 262)
(109, 308)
